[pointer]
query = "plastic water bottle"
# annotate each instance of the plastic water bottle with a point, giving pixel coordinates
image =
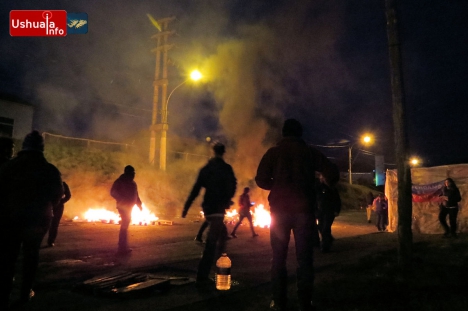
(223, 273)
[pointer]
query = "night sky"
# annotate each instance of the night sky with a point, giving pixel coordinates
(323, 62)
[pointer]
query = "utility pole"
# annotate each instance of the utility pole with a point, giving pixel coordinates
(160, 82)
(350, 147)
(405, 207)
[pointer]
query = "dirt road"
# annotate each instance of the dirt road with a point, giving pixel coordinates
(86, 250)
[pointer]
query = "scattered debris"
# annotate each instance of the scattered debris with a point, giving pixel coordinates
(125, 283)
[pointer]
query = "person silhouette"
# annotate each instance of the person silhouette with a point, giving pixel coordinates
(244, 212)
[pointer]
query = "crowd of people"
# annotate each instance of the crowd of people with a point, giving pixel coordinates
(33, 197)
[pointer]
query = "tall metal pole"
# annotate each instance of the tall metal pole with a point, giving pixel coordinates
(162, 47)
(405, 208)
(152, 149)
(165, 126)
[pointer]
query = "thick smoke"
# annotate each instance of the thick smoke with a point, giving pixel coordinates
(272, 69)
(261, 67)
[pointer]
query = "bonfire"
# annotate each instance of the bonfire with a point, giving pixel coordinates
(143, 217)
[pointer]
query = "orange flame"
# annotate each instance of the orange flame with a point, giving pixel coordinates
(143, 217)
(261, 217)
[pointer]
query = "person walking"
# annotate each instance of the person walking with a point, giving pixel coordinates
(125, 191)
(369, 203)
(244, 212)
(328, 207)
(450, 197)
(29, 187)
(219, 181)
(381, 209)
(288, 170)
(58, 213)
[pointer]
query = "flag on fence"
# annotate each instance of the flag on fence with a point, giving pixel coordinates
(427, 193)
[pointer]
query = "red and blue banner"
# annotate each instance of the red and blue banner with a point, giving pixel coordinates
(427, 193)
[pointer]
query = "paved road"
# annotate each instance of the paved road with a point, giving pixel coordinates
(85, 250)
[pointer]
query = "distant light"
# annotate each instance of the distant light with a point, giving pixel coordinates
(414, 161)
(195, 75)
(367, 139)
(208, 138)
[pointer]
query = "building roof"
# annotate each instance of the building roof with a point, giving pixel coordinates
(13, 98)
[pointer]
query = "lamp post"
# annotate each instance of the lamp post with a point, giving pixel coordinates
(195, 75)
(366, 139)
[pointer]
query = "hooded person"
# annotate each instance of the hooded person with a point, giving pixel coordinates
(125, 192)
(288, 171)
(30, 186)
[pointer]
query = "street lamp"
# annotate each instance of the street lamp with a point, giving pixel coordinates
(366, 139)
(195, 76)
(414, 161)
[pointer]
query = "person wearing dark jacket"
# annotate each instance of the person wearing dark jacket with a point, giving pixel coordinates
(219, 181)
(244, 212)
(125, 191)
(29, 187)
(450, 197)
(288, 170)
(328, 207)
(58, 213)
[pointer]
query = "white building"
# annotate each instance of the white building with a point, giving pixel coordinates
(15, 118)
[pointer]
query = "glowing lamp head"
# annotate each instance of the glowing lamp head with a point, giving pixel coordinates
(195, 75)
(414, 161)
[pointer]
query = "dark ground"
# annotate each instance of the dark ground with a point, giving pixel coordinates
(85, 250)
